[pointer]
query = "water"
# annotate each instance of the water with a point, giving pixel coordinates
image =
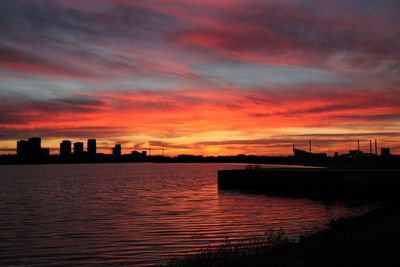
(136, 214)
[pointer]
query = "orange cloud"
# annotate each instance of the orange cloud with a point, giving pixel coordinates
(194, 119)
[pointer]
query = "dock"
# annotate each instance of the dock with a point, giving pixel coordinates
(315, 183)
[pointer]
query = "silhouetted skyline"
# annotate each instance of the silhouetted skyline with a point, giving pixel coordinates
(32, 146)
(67, 147)
(31, 151)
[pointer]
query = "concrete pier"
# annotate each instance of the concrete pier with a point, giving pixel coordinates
(317, 183)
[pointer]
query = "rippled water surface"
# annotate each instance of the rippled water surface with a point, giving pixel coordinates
(136, 214)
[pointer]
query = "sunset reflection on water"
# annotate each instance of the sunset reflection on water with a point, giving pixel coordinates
(137, 214)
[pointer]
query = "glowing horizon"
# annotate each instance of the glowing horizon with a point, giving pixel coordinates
(213, 78)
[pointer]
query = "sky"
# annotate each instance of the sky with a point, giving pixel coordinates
(211, 77)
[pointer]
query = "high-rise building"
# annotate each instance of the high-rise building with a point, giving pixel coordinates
(65, 148)
(30, 149)
(117, 150)
(22, 148)
(91, 146)
(78, 148)
(35, 146)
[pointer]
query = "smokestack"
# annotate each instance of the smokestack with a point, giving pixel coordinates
(370, 147)
(309, 146)
(376, 147)
(358, 145)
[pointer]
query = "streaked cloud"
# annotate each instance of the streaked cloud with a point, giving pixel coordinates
(199, 76)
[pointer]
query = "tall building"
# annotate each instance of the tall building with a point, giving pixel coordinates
(65, 148)
(117, 150)
(91, 146)
(22, 148)
(30, 149)
(78, 148)
(35, 146)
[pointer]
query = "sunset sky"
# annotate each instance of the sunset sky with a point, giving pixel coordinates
(212, 77)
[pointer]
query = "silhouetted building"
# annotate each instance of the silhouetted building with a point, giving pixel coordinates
(298, 153)
(355, 153)
(301, 154)
(35, 147)
(135, 153)
(45, 152)
(65, 148)
(30, 149)
(117, 150)
(22, 148)
(385, 151)
(78, 148)
(91, 146)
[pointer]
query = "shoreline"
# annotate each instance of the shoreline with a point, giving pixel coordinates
(370, 239)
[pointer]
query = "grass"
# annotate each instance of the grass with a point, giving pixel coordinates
(234, 253)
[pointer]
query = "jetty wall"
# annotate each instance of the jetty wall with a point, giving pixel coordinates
(317, 183)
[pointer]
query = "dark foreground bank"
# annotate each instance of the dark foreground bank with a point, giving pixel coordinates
(368, 240)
